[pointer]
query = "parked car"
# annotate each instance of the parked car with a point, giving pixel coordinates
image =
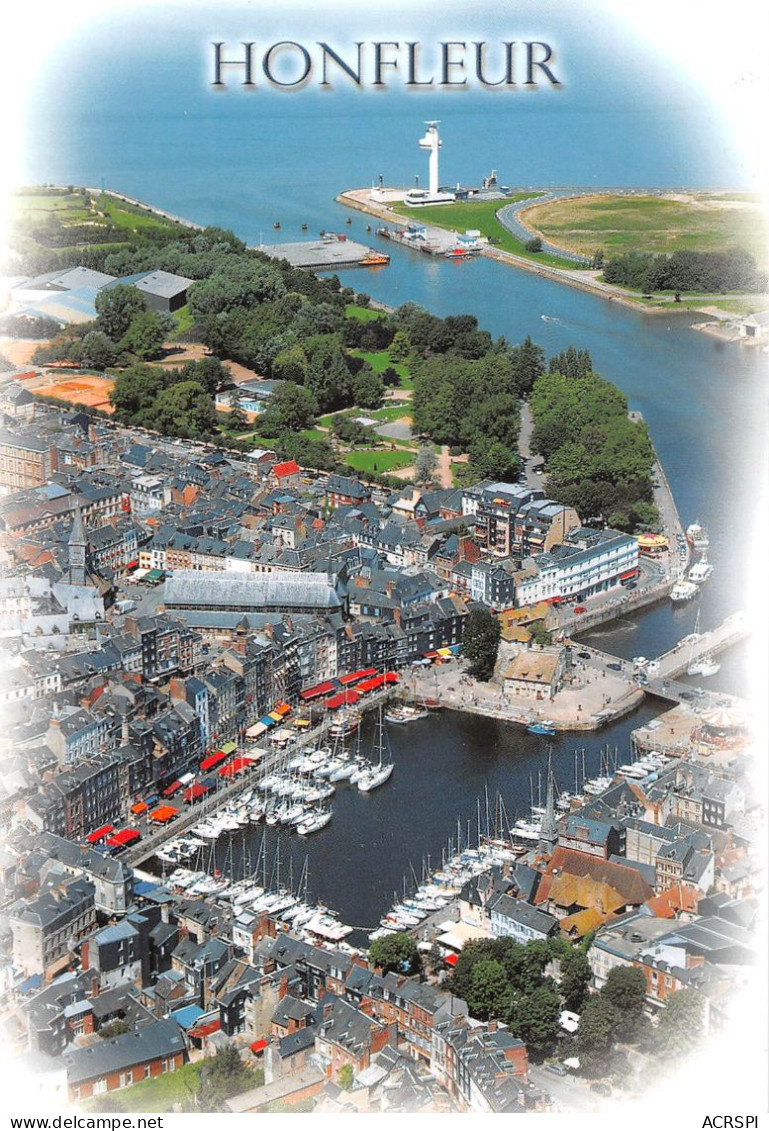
(601, 1089)
(558, 1069)
(579, 609)
(583, 655)
(615, 667)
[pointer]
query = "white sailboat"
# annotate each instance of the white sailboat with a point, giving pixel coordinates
(382, 769)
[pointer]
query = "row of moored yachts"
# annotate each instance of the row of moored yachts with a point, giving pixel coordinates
(440, 887)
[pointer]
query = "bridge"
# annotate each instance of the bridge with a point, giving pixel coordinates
(696, 647)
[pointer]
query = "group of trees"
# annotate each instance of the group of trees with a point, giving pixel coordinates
(506, 981)
(125, 330)
(176, 402)
(709, 271)
(473, 402)
(598, 460)
(616, 1016)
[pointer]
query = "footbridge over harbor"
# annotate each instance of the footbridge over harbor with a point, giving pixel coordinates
(699, 645)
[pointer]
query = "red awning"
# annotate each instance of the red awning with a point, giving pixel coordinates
(259, 1046)
(139, 807)
(163, 813)
(283, 708)
(356, 677)
(628, 574)
(212, 760)
(195, 791)
(318, 690)
(342, 699)
(205, 1030)
(133, 565)
(236, 766)
(370, 684)
(99, 834)
(450, 959)
(125, 836)
(390, 677)
(173, 788)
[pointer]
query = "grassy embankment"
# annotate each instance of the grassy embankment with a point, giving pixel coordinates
(689, 222)
(482, 215)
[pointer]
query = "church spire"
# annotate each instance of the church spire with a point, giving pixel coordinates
(78, 545)
(549, 832)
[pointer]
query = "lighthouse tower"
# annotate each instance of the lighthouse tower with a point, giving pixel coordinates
(431, 195)
(432, 142)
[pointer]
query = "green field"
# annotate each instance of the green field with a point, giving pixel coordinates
(100, 213)
(481, 215)
(618, 224)
(374, 460)
(362, 313)
(381, 360)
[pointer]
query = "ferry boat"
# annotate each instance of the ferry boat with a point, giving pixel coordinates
(544, 728)
(683, 591)
(701, 570)
(697, 536)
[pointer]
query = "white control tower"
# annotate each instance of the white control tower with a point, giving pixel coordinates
(432, 142)
(431, 195)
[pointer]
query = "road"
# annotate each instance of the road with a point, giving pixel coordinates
(569, 1093)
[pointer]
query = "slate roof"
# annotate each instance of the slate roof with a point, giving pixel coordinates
(157, 1039)
(250, 592)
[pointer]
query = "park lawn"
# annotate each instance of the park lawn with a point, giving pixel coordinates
(49, 201)
(368, 459)
(380, 360)
(620, 224)
(183, 319)
(389, 413)
(314, 434)
(155, 1095)
(362, 313)
(482, 215)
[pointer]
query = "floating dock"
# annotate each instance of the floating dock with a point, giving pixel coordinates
(328, 252)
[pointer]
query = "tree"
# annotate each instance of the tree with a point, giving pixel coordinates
(480, 643)
(490, 993)
(534, 244)
(114, 1029)
(575, 980)
(222, 1076)
(290, 409)
(597, 1032)
(184, 410)
(98, 351)
(398, 952)
(290, 365)
(145, 336)
(425, 464)
(625, 989)
(368, 389)
(134, 390)
(535, 1018)
(681, 1025)
(539, 634)
(345, 1077)
(116, 308)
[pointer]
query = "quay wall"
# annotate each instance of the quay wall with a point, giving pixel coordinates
(210, 804)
